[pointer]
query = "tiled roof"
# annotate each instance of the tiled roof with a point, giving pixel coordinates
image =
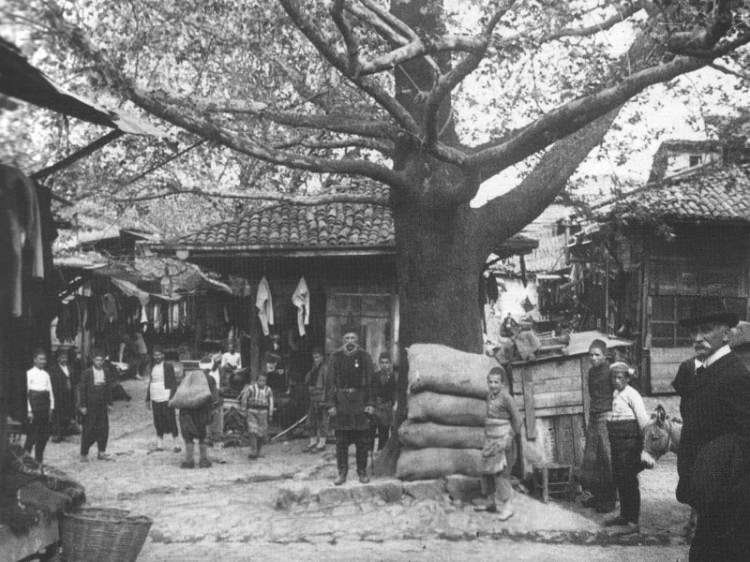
(289, 225)
(310, 227)
(713, 193)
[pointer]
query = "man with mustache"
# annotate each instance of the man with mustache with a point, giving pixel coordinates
(350, 378)
(715, 444)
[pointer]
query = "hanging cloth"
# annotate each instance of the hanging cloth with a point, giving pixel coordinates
(264, 304)
(21, 233)
(301, 299)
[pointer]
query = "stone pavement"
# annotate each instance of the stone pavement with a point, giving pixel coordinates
(284, 505)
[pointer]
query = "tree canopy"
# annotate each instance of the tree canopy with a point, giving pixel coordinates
(340, 87)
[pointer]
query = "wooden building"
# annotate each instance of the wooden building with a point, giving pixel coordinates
(684, 236)
(552, 392)
(345, 252)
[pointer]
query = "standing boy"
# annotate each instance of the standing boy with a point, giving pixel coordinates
(64, 382)
(625, 429)
(502, 424)
(94, 401)
(40, 401)
(317, 415)
(596, 469)
(384, 391)
(256, 400)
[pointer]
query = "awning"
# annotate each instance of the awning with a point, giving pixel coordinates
(20, 79)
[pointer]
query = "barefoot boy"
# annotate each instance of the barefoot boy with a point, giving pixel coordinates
(498, 455)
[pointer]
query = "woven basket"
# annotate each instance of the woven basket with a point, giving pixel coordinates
(103, 535)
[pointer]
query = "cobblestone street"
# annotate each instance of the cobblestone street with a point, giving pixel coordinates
(284, 506)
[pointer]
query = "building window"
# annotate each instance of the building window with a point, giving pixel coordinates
(666, 311)
(695, 160)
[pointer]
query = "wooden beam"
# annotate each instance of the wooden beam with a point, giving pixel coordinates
(77, 155)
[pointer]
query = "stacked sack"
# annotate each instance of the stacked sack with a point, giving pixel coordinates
(444, 430)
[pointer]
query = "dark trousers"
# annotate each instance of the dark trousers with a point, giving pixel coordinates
(95, 428)
(37, 434)
(382, 432)
(626, 441)
(361, 440)
(165, 420)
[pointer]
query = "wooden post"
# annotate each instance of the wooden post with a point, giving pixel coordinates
(585, 390)
(528, 403)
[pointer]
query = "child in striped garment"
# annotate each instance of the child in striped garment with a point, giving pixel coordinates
(256, 400)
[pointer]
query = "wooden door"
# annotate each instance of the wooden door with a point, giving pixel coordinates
(370, 312)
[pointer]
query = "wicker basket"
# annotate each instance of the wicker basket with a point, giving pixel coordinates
(103, 535)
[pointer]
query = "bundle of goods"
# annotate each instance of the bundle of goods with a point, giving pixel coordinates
(27, 488)
(444, 430)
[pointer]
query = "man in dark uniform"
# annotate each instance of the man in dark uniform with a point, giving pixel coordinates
(64, 382)
(349, 375)
(715, 443)
(94, 401)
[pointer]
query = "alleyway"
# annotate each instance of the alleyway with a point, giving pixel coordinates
(283, 506)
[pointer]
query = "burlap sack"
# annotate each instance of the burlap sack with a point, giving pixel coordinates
(446, 409)
(193, 391)
(424, 435)
(440, 368)
(422, 464)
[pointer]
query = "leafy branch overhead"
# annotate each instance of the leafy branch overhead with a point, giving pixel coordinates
(346, 87)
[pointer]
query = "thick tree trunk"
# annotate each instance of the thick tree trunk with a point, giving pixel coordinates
(440, 255)
(439, 263)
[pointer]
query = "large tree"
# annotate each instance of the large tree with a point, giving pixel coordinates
(429, 97)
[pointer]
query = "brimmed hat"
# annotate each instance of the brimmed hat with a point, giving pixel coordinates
(710, 311)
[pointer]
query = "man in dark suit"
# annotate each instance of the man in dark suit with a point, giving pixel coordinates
(715, 438)
(64, 381)
(94, 400)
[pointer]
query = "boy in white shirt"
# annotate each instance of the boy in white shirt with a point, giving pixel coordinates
(625, 429)
(40, 402)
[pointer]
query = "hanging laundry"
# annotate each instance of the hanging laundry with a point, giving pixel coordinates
(264, 304)
(301, 299)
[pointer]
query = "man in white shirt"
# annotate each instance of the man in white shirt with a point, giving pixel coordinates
(231, 357)
(40, 402)
(162, 384)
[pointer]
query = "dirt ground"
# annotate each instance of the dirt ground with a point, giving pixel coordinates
(283, 506)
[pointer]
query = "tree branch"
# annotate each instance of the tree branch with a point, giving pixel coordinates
(265, 196)
(727, 70)
(352, 48)
(336, 123)
(158, 104)
(457, 74)
(520, 206)
(623, 13)
(571, 116)
(372, 88)
(381, 27)
(392, 21)
(152, 103)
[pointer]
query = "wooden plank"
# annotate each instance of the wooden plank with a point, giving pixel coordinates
(558, 385)
(579, 438)
(560, 411)
(565, 448)
(584, 368)
(528, 401)
(555, 399)
(567, 367)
